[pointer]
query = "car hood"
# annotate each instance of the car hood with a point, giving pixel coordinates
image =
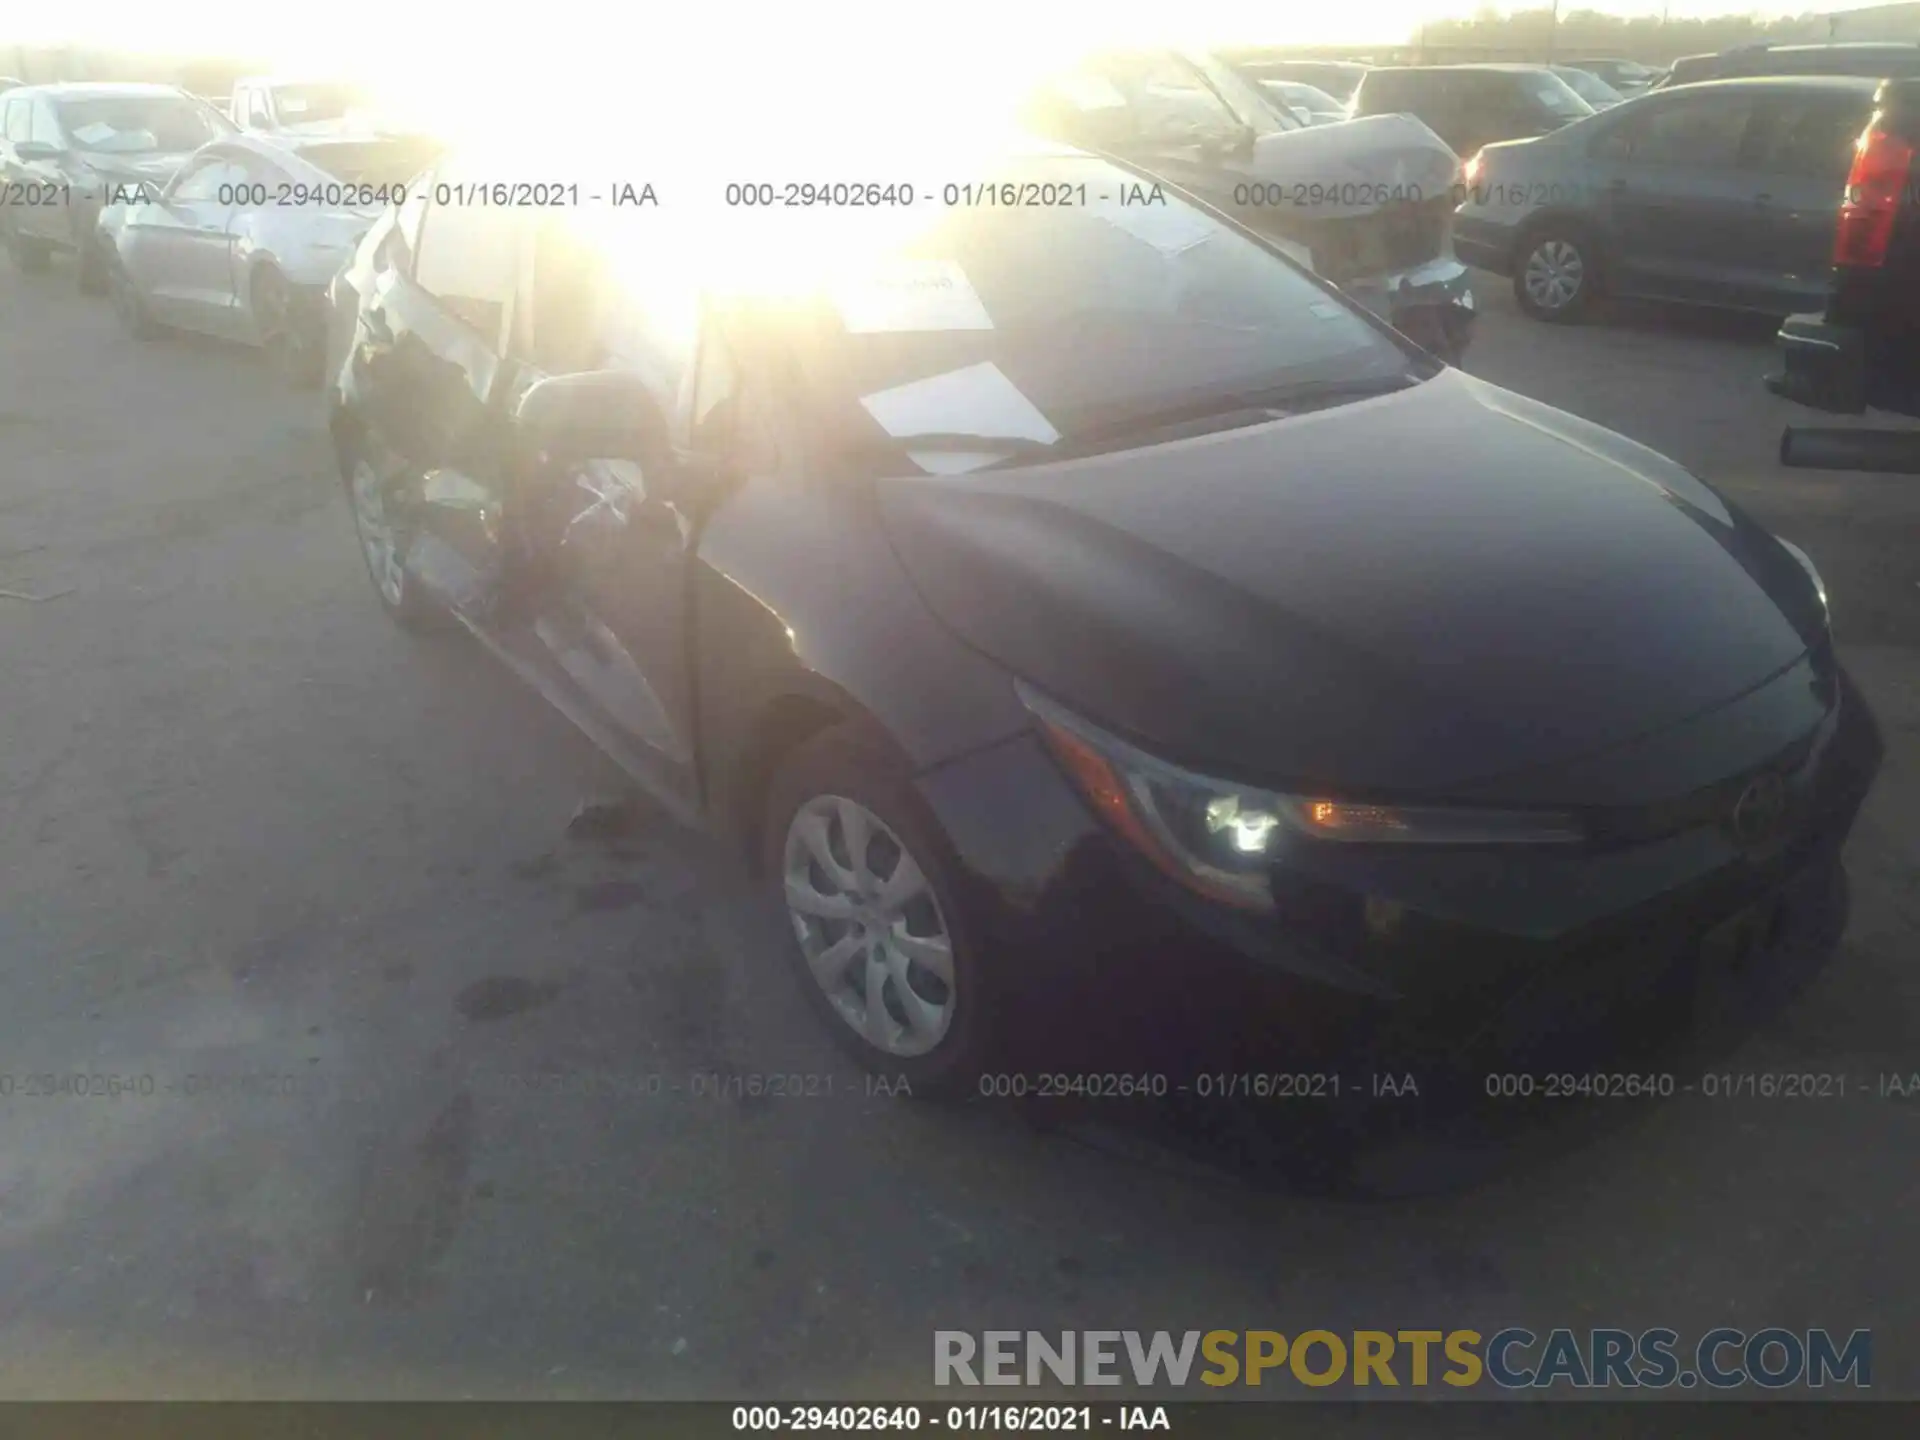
(1353, 167)
(155, 168)
(1407, 594)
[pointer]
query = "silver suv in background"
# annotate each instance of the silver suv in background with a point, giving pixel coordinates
(65, 149)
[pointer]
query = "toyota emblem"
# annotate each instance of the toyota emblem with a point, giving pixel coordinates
(1760, 814)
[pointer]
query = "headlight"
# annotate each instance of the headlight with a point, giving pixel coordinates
(1819, 585)
(1220, 838)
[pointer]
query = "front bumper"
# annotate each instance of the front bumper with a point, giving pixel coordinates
(1432, 304)
(1824, 365)
(1099, 960)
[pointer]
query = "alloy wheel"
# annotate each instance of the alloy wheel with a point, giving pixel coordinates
(377, 536)
(1555, 274)
(869, 926)
(279, 327)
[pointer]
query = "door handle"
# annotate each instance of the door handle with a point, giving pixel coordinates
(1616, 184)
(1763, 200)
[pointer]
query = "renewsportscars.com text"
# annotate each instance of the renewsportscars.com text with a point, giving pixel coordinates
(1510, 1359)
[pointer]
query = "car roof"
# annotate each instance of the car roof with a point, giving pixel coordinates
(1848, 47)
(92, 89)
(1860, 84)
(272, 80)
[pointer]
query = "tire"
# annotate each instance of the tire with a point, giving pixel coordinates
(1556, 272)
(288, 333)
(89, 264)
(386, 556)
(938, 1028)
(30, 255)
(128, 305)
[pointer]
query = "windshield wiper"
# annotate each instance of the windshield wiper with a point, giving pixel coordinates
(1271, 402)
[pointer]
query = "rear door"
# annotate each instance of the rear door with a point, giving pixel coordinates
(429, 366)
(1802, 145)
(1682, 210)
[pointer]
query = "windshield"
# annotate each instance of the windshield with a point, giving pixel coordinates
(1249, 104)
(1554, 94)
(304, 104)
(1052, 327)
(376, 162)
(139, 124)
(1293, 92)
(1590, 88)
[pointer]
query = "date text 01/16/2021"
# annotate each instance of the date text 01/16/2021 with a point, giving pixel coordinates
(957, 1419)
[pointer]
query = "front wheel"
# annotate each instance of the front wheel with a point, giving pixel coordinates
(128, 303)
(29, 254)
(383, 544)
(1557, 275)
(89, 263)
(288, 332)
(880, 943)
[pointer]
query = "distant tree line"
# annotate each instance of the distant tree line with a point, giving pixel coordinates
(1636, 37)
(204, 75)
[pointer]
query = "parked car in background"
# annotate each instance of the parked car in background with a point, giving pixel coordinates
(1338, 78)
(1723, 193)
(301, 107)
(1469, 106)
(242, 241)
(7, 82)
(66, 147)
(1368, 206)
(1861, 351)
(1629, 77)
(1175, 658)
(1589, 87)
(1308, 102)
(1870, 59)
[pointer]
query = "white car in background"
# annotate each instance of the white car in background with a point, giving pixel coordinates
(243, 240)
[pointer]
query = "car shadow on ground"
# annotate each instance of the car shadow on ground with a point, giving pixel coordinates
(1693, 322)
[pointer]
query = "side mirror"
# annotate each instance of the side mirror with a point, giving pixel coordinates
(1302, 114)
(37, 150)
(599, 415)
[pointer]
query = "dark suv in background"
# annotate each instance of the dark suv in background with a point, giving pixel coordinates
(1872, 60)
(1469, 106)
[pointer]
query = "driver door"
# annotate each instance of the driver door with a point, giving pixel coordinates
(178, 249)
(615, 620)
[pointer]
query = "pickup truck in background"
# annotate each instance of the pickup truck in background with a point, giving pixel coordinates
(1862, 352)
(300, 107)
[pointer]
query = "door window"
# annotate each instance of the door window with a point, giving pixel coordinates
(560, 332)
(1697, 133)
(1809, 135)
(43, 127)
(1169, 96)
(468, 258)
(203, 183)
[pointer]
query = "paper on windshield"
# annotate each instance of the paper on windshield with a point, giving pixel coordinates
(1089, 92)
(95, 133)
(976, 400)
(910, 295)
(1170, 229)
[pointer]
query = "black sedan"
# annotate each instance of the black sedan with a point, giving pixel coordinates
(1089, 624)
